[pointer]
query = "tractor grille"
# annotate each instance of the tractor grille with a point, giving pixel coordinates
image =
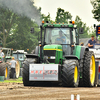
(50, 53)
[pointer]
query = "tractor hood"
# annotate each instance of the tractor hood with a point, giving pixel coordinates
(53, 47)
(53, 53)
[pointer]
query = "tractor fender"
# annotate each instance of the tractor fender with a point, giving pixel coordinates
(83, 49)
(70, 57)
(32, 56)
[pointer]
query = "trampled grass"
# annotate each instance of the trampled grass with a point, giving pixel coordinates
(19, 80)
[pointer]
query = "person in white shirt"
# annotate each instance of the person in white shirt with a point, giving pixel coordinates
(13, 64)
(2, 54)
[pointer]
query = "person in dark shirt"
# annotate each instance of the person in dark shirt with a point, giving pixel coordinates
(91, 42)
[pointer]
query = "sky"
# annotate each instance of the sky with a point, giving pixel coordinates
(82, 8)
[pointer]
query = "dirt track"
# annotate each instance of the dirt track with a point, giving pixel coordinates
(16, 91)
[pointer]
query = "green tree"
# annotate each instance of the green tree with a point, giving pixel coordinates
(96, 9)
(46, 18)
(15, 30)
(7, 20)
(96, 13)
(78, 21)
(63, 16)
(21, 38)
(80, 24)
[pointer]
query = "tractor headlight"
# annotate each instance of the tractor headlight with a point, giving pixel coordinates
(52, 57)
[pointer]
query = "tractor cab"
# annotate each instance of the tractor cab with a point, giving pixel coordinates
(19, 55)
(59, 40)
(61, 36)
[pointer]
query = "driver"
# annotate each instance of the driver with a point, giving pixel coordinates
(61, 38)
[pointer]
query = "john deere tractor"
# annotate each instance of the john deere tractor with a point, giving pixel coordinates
(60, 58)
(4, 67)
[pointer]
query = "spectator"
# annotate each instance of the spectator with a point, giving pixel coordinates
(91, 42)
(13, 64)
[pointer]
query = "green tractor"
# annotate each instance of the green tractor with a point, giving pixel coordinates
(5, 68)
(60, 58)
(20, 56)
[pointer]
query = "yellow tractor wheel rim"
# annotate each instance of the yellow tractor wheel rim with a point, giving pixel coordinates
(6, 72)
(75, 74)
(17, 69)
(92, 69)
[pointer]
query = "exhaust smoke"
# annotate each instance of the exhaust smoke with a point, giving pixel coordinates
(23, 8)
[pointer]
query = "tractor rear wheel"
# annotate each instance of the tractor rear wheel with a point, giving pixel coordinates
(70, 73)
(4, 70)
(25, 72)
(89, 69)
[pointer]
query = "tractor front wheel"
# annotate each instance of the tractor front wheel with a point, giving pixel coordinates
(25, 72)
(70, 73)
(4, 70)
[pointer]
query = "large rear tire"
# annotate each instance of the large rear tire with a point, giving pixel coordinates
(25, 72)
(4, 70)
(89, 69)
(70, 73)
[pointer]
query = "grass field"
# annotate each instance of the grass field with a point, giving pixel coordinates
(19, 80)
